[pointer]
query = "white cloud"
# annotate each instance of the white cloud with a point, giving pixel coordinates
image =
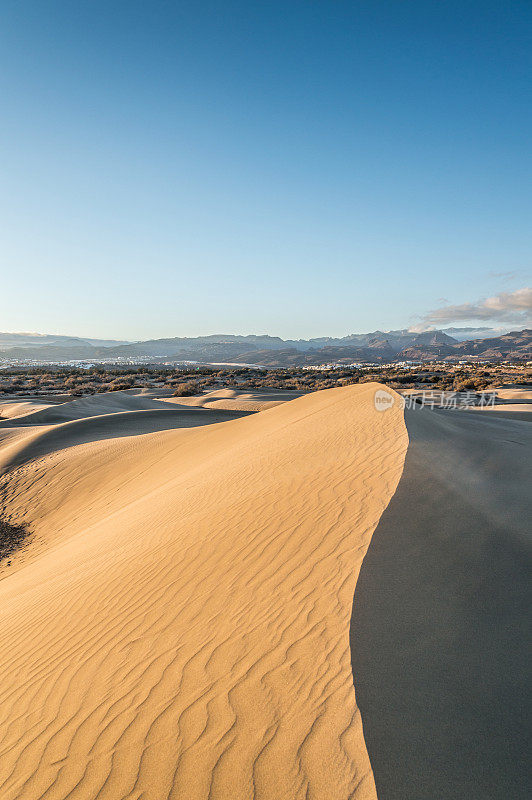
(514, 308)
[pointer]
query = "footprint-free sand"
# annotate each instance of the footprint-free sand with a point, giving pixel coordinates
(178, 626)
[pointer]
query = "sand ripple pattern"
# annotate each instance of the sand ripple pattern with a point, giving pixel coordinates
(181, 630)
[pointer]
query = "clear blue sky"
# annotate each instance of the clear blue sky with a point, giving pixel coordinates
(296, 168)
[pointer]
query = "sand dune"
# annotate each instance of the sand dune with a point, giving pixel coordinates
(10, 409)
(50, 438)
(519, 394)
(110, 415)
(516, 411)
(235, 400)
(179, 627)
(514, 403)
(88, 406)
(26, 414)
(440, 628)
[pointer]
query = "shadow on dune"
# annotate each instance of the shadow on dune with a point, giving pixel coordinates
(516, 414)
(91, 406)
(113, 426)
(439, 632)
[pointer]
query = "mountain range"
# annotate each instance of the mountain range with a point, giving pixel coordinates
(377, 346)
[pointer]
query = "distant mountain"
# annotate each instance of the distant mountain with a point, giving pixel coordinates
(510, 344)
(515, 345)
(199, 347)
(433, 338)
(8, 340)
(424, 347)
(377, 346)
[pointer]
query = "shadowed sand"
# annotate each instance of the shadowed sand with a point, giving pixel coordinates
(439, 634)
(180, 626)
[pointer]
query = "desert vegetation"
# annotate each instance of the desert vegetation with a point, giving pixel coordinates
(181, 382)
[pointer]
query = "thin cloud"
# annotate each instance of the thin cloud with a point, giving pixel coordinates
(509, 275)
(514, 308)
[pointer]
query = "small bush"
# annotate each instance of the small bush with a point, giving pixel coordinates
(470, 384)
(185, 390)
(119, 386)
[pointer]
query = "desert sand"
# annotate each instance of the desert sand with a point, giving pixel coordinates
(235, 400)
(178, 625)
(514, 394)
(11, 409)
(440, 630)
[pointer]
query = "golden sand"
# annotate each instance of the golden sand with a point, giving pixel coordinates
(179, 625)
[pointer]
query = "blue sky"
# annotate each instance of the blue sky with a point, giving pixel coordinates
(294, 168)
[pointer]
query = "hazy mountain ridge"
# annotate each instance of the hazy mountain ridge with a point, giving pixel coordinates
(55, 340)
(516, 344)
(377, 346)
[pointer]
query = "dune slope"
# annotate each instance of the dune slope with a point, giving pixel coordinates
(236, 400)
(34, 442)
(22, 414)
(180, 628)
(440, 629)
